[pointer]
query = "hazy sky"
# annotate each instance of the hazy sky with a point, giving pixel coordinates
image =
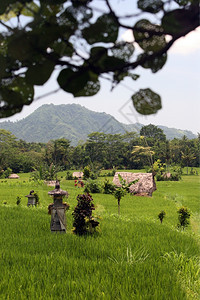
(177, 83)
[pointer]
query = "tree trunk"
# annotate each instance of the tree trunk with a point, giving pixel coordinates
(118, 206)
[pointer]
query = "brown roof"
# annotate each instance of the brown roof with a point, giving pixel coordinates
(145, 184)
(13, 176)
(50, 182)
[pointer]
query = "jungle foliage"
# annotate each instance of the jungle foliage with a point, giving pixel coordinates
(100, 151)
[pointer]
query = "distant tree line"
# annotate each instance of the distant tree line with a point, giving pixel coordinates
(101, 151)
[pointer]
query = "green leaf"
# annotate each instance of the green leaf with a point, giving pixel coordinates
(20, 46)
(105, 30)
(13, 10)
(90, 89)
(100, 59)
(154, 64)
(178, 22)
(79, 83)
(39, 73)
(62, 48)
(30, 9)
(149, 36)
(14, 95)
(119, 76)
(123, 51)
(2, 66)
(146, 102)
(151, 6)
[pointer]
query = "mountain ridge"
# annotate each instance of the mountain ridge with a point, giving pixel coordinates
(74, 122)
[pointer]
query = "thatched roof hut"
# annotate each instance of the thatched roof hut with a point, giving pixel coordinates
(13, 176)
(78, 175)
(145, 186)
(50, 182)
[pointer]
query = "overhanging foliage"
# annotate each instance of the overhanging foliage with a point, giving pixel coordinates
(82, 43)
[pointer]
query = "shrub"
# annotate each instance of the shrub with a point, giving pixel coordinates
(92, 186)
(19, 198)
(83, 221)
(175, 175)
(183, 217)
(86, 173)
(69, 176)
(37, 202)
(6, 173)
(108, 187)
(161, 216)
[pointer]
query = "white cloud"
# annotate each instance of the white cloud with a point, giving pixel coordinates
(185, 45)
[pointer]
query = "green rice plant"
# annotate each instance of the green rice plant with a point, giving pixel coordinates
(123, 261)
(138, 256)
(188, 272)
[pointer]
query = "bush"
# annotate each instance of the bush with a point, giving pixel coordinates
(183, 217)
(161, 216)
(6, 173)
(69, 176)
(108, 187)
(175, 175)
(19, 198)
(83, 221)
(86, 173)
(37, 202)
(92, 186)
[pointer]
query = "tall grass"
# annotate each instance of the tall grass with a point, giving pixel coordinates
(132, 256)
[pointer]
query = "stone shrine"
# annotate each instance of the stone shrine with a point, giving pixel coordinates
(57, 209)
(31, 198)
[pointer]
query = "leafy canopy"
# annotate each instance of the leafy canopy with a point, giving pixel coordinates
(82, 43)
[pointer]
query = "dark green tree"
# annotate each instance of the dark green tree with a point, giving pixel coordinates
(152, 131)
(81, 42)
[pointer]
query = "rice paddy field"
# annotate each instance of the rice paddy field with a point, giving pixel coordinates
(132, 256)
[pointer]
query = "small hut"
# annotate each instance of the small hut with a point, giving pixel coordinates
(13, 176)
(50, 182)
(78, 175)
(144, 187)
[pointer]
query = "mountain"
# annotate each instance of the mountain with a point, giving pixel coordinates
(74, 122)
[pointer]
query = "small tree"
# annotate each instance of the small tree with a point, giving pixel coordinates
(123, 190)
(83, 221)
(118, 194)
(183, 217)
(108, 187)
(161, 216)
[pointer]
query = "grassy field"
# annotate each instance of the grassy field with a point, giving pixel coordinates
(133, 256)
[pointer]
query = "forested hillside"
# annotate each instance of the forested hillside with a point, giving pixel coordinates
(74, 122)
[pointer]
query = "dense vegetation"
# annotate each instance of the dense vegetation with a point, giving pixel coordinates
(132, 256)
(100, 151)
